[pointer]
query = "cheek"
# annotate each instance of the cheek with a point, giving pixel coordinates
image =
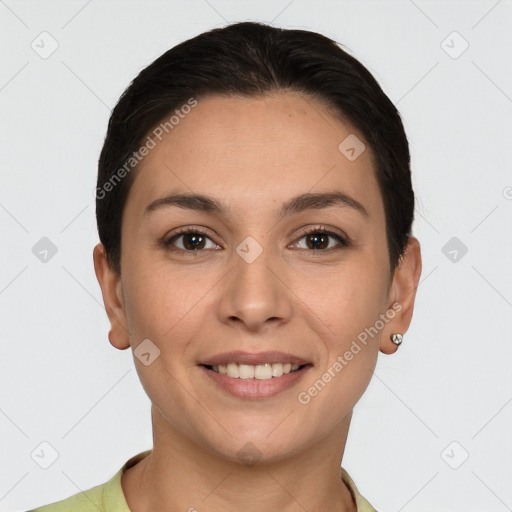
(353, 342)
(357, 310)
(346, 299)
(164, 304)
(350, 349)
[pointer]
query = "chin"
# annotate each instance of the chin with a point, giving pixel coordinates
(251, 446)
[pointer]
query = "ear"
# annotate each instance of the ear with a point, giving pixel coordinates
(112, 291)
(402, 294)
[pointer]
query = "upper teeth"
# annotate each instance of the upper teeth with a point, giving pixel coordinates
(260, 371)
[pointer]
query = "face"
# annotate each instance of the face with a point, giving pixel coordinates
(261, 270)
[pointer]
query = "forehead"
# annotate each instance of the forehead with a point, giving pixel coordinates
(263, 148)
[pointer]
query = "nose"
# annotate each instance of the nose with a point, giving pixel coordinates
(255, 295)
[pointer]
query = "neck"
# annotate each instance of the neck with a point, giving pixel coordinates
(180, 475)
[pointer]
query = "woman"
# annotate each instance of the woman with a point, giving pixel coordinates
(254, 206)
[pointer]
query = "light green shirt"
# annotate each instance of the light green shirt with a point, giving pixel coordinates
(109, 497)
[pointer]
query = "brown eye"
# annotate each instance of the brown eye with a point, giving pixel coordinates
(317, 241)
(320, 240)
(189, 241)
(193, 241)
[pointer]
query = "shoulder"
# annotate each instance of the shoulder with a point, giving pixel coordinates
(84, 501)
(107, 497)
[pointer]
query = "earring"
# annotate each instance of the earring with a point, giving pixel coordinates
(397, 339)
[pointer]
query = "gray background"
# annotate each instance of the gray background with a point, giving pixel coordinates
(446, 394)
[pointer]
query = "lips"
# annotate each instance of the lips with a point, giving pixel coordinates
(253, 388)
(251, 379)
(253, 359)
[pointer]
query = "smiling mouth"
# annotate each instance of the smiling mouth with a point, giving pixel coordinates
(265, 371)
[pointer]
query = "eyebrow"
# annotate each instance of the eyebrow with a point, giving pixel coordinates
(300, 203)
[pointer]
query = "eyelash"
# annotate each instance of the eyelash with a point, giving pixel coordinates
(197, 231)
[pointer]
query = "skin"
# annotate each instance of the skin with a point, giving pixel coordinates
(252, 154)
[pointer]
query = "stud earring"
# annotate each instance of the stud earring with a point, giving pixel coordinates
(397, 339)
